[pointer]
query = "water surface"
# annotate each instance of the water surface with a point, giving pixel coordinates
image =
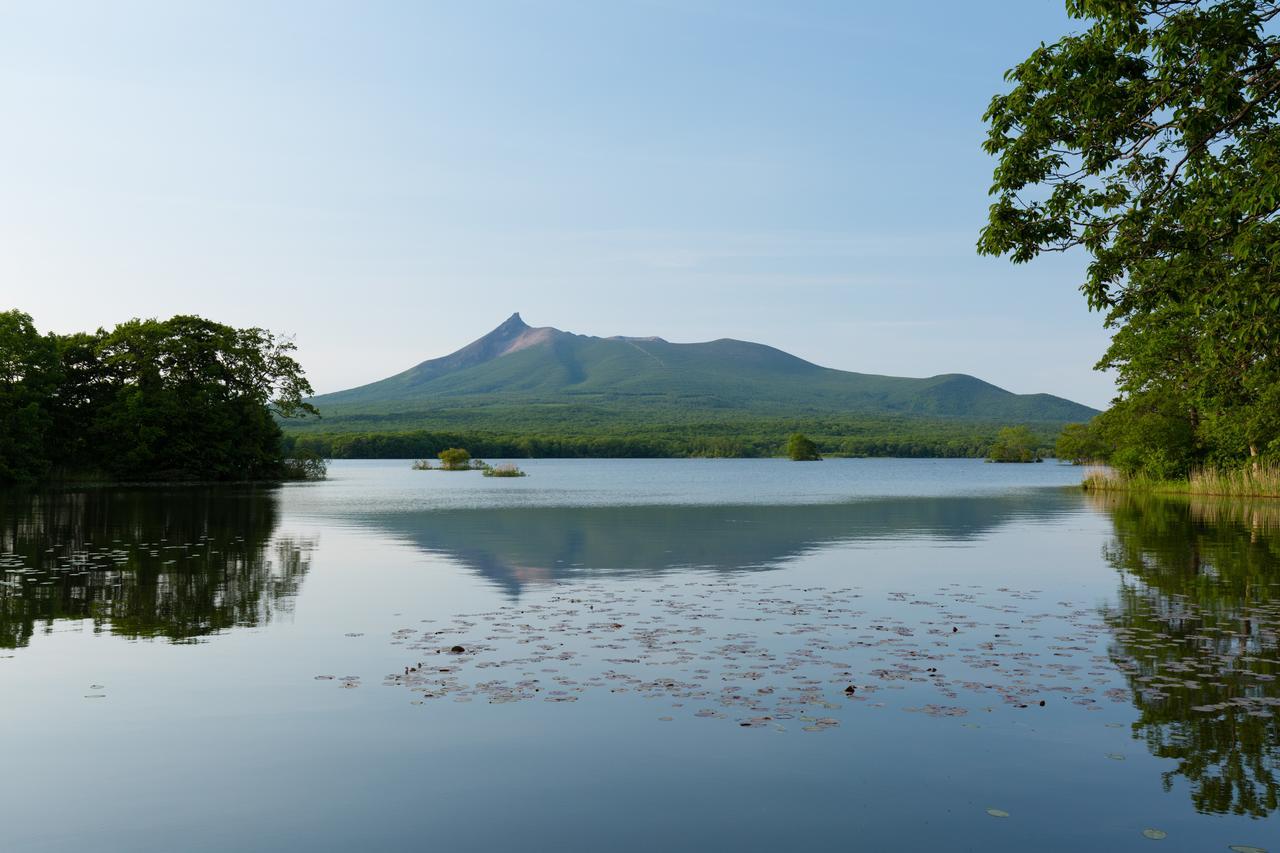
(678, 654)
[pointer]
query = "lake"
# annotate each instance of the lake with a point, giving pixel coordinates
(638, 655)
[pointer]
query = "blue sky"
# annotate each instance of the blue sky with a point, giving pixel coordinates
(388, 180)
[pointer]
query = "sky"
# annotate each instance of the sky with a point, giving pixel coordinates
(387, 181)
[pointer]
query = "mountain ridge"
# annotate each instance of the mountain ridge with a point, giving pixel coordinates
(638, 378)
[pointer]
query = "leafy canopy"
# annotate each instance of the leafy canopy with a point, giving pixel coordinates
(802, 449)
(1014, 444)
(184, 398)
(455, 459)
(1149, 140)
(1080, 443)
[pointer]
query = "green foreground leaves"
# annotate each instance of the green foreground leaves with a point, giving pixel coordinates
(1150, 141)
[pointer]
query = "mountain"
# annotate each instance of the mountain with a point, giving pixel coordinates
(521, 377)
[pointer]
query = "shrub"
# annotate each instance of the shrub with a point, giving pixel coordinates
(801, 449)
(455, 459)
(305, 466)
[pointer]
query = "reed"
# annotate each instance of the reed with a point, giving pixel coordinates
(1261, 481)
(506, 469)
(1250, 481)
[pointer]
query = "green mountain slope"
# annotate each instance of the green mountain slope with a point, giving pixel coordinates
(518, 377)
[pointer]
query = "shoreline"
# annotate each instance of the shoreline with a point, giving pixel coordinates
(1245, 483)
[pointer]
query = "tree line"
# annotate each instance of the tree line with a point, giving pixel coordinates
(416, 444)
(178, 399)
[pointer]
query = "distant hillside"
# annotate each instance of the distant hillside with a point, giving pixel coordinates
(542, 379)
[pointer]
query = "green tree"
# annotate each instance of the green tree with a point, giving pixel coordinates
(455, 459)
(1080, 443)
(1015, 444)
(1149, 433)
(28, 377)
(188, 398)
(801, 449)
(184, 398)
(1149, 140)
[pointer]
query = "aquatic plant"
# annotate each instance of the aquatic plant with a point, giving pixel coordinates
(506, 469)
(1260, 480)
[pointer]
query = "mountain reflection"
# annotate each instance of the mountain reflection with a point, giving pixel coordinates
(1196, 627)
(516, 546)
(179, 564)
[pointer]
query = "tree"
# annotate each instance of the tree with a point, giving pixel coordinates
(28, 375)
(1014, 444)
(1080, 443)
(1149, 433)
(188, 398)
(801, 449)
(455, 459)
(1150, 141)
(184, 398)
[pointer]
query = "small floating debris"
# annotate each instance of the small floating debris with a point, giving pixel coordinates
(997, 812)
(1155, 834)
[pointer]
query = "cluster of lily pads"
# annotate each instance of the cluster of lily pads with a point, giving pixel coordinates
(762, 655)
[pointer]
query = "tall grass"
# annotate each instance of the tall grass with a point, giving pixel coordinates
(1262, 481)
(1249, 481)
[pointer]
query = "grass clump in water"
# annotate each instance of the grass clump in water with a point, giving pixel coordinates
(506, 469)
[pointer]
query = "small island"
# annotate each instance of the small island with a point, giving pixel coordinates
(182, 400)
(459, 459)
(800, 448)
(506, 469)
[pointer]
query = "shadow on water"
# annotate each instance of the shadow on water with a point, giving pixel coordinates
(1196, 626)
(516, 546)
(174, 563)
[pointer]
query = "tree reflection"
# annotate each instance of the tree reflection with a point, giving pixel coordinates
(179, 564)
(1196, 629)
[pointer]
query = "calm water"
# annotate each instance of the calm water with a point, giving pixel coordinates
(687, 655)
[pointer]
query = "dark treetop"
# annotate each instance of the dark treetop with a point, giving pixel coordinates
(177, 399)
